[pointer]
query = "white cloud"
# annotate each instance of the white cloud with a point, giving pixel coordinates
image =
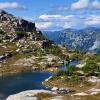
(90, 4)
(55, 21)
(96, 4)
(80, 4)
(70, 21)
(43, 25)
(93, 20)
(54, 18)
(12, 5)
(81, 20)
(47, 17)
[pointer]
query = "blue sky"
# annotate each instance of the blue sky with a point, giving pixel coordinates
(56, 14)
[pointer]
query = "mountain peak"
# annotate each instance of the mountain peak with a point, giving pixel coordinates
(2, 12)
(9, 23)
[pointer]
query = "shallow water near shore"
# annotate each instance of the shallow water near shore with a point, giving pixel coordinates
(21, 82)
(71, 63)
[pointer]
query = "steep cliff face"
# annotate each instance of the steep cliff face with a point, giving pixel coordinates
(10, 23)
(14, 28)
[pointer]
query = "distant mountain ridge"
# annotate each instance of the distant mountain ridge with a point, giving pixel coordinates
(87, 39)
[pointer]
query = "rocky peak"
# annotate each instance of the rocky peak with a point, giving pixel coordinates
(10, 23)
(4, 16)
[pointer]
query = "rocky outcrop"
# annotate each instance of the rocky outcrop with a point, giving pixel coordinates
(10, 23)
(62, 90)
(23, 46)
(6, 55)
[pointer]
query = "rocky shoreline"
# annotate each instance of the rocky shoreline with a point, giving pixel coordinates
(63, 94)
(61, 89)
(55, 93)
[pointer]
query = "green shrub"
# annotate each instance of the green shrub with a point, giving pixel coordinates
(58, 74)
(21, 34)
(77, 56)
(54, 49)
(70, 70)
(61, 73)
(91, 68)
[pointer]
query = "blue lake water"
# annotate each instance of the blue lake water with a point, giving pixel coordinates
(21, 82)
(25, 81)
(71, 63)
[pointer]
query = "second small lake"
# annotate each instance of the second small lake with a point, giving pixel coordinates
(71, 63)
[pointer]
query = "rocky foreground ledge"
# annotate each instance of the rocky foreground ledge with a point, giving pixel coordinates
(28, 95)
(51, 95)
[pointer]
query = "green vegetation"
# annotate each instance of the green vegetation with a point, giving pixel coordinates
(21, 34)
(38, 52)
(77, 55)
(91, 68)
(56, 50)
(71, 70)
(95, 57)
(72, 73)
